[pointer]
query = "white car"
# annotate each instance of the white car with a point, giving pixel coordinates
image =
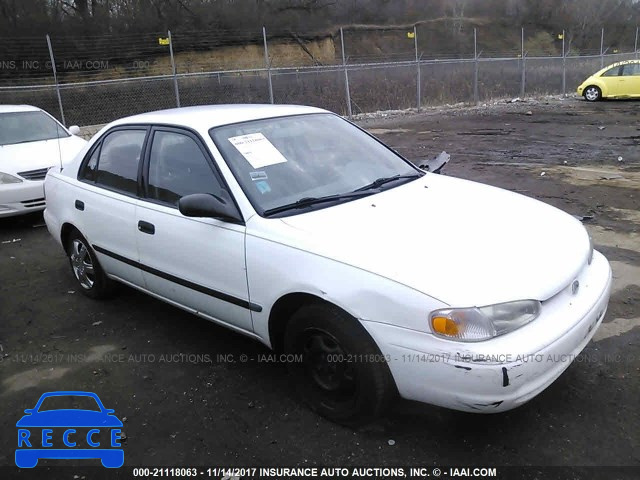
(31, 142)
(295, 227)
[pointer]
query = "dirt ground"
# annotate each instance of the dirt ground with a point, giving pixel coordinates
(185, 410)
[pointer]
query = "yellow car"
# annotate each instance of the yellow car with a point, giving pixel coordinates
(620, 80)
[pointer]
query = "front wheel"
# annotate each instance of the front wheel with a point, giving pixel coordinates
(592, 93)
(85, 267)
(342, 375)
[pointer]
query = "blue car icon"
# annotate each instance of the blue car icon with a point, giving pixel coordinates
(47, 431)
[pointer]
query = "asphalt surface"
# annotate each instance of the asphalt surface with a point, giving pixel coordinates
(188, 399)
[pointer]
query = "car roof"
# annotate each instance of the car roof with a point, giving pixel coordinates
(617, 64)
(18, 108)
(74, 393)
(624, 62)
(209, 116)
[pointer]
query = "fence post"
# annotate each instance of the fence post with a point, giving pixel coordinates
(418, 78)
(346, 76)
(602, 49)
(564, 67)
(476, 96)
(635, 48)
(173, 70)
(267, 63)
(55, 79)
(523, 82)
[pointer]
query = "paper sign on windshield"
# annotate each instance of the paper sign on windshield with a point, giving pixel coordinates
(258, 150)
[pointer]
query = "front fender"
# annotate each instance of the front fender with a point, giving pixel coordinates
(600, 84)
(275, 270)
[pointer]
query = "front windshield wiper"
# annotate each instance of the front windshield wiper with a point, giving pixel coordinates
(310, 201)
(383, 180)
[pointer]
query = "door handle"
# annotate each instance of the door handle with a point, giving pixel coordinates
(146, 227)
(79, 205)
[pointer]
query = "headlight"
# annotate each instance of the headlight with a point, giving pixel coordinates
(6, 178)
(590, 258)
(476, 324)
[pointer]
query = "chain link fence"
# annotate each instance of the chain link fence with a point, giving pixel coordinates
(99, 79)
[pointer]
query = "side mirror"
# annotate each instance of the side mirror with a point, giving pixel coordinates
(29, 411)
(74, 130)
(207, 205)
(109, 411)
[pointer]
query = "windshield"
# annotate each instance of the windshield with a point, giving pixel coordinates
(23, 127)
(75, 402)
(280, 161)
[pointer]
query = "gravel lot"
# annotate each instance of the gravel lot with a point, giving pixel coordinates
(162, 369)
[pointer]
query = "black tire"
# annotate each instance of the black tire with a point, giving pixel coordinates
(343, 375)
(86, 269)
(592, 94)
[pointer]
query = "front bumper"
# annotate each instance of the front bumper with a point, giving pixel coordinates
(505, 372)
(21, 198)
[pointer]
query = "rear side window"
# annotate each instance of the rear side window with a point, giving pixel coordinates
(114, 164)
(91, 167)
(178, 167)
(631, 69)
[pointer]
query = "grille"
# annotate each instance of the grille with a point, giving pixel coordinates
(34, 174)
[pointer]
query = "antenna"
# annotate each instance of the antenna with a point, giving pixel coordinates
(59, 148)
(55, 79)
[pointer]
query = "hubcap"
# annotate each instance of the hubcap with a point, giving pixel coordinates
(329, 367)
(592, 94)
(82, 265)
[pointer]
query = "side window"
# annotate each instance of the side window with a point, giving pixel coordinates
(612, 72)
(119, 158)
(631, 69)
(177, 167)
(91, 167)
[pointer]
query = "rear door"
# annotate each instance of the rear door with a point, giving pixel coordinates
(198, 263)
(107, 199)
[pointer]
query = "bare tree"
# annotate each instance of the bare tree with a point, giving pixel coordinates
(583, 18)
(457, 9)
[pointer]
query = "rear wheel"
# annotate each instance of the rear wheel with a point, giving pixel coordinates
(592, 93)
(85, 267)
(342, 374)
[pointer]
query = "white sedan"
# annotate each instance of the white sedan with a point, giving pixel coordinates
(31, 142)
(296, 228)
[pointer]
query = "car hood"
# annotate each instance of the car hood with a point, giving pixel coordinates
(461, 242)
(69, 418)
(35, 155)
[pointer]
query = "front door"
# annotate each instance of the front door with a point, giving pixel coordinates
(630, 80)
(198, 263)
(613, 81)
